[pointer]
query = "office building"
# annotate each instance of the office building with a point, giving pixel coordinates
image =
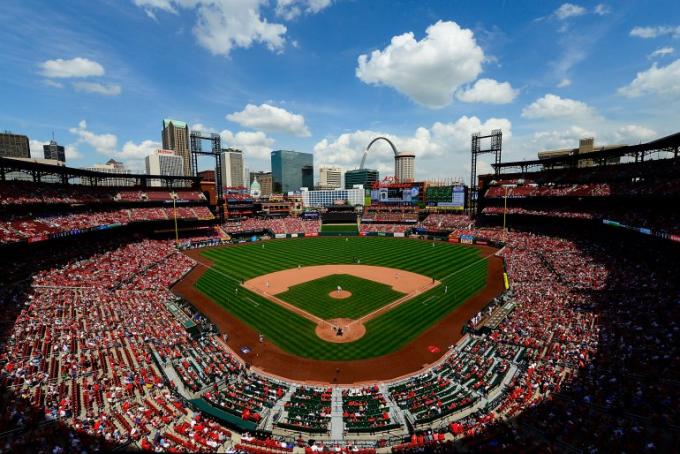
(54, 151)
(330, 178)
(176, 138)
(404, 167)
(163, 162)
(329, 197)
(14, 145)
(364, 177)
(114, 167)
(232, 168)
(291, 170)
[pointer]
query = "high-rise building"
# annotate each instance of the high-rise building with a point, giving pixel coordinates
(111, 166)
(265, 181)
(364, 177)
(176, 138)
(404, 167)
(232, 168)
(55, 151)
(14, 145)
(330, 177)
(163, 162)
(291, 170)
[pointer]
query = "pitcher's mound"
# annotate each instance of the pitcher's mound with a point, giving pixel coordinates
(341, 295)
(351, 330)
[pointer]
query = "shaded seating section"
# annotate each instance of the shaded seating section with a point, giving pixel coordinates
(248, 397)
(366, 410)
(308, 410)
(284, 225)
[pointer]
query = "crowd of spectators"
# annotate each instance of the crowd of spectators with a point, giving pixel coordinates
(437, 222)
(285, 225)
(396, 215)
(386, 228)
(27, 193)
(19, 228)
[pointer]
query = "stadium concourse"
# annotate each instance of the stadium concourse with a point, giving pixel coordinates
(580, 354)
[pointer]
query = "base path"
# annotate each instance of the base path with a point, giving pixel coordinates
(411, 359)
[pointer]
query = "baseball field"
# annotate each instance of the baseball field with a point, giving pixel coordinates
(289, 317)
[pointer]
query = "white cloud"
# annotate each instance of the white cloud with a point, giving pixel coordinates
(255, 144)
(222, 25)
(632, 134)
(489, 91)
(661, 52)
(290, 9)
(36, 148)
(602, 9)
(564, 83)
(443, 150)
(270, 118)
(657, 80)
(137, 151)
(567, 10)
(72, 152)
(428, 71)
(102, 143)
(98, 88)
(75, 67)
(552, 106)
(654, 32)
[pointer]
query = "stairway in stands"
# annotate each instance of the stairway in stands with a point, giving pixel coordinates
(337, 424)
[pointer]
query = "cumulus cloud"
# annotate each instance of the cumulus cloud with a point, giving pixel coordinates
(552, 106)
(222, 25)
(102, 143)
(654, 32)
(428, 71)
(441, 150)
(75, 67)
(489, 91)
(255, 144)
(138, 151)
(290, 9)
(98, 88)
(37, 152)
(270, 118)
(661, 52)
(567, 10)
(664, 80)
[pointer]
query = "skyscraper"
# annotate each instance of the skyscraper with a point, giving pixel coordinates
(176, 138)
(14, 145)
(54, 151)
(364, 177)
(404, 167)
(291, 170)
(232, 168)
(330, 177)
(163, 162)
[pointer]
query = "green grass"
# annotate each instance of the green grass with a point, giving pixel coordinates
(458, 266)
(313, 296)
(339, 228)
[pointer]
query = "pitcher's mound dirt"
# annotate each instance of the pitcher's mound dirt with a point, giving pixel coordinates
(341, 295)
(351, 330)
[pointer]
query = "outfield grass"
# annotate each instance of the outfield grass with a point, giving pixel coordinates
(458, 267)
(313, 296)
(339, 228)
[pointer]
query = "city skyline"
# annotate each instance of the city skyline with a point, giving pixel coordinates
(325, 77)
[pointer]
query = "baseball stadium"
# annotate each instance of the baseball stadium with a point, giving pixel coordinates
(534, 315)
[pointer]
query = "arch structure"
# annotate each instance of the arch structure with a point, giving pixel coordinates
(394, 149)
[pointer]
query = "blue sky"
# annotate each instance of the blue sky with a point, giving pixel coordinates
(326, 76)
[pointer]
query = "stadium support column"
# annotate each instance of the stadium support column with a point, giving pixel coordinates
(495, 146)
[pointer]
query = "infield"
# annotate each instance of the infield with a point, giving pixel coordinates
(461, 270)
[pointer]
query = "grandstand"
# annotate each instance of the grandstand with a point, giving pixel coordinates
(579, 354)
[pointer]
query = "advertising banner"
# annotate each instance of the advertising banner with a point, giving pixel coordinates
(280, 235)
(399, 234)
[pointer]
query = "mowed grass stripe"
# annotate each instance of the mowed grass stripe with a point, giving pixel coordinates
(386, 333)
